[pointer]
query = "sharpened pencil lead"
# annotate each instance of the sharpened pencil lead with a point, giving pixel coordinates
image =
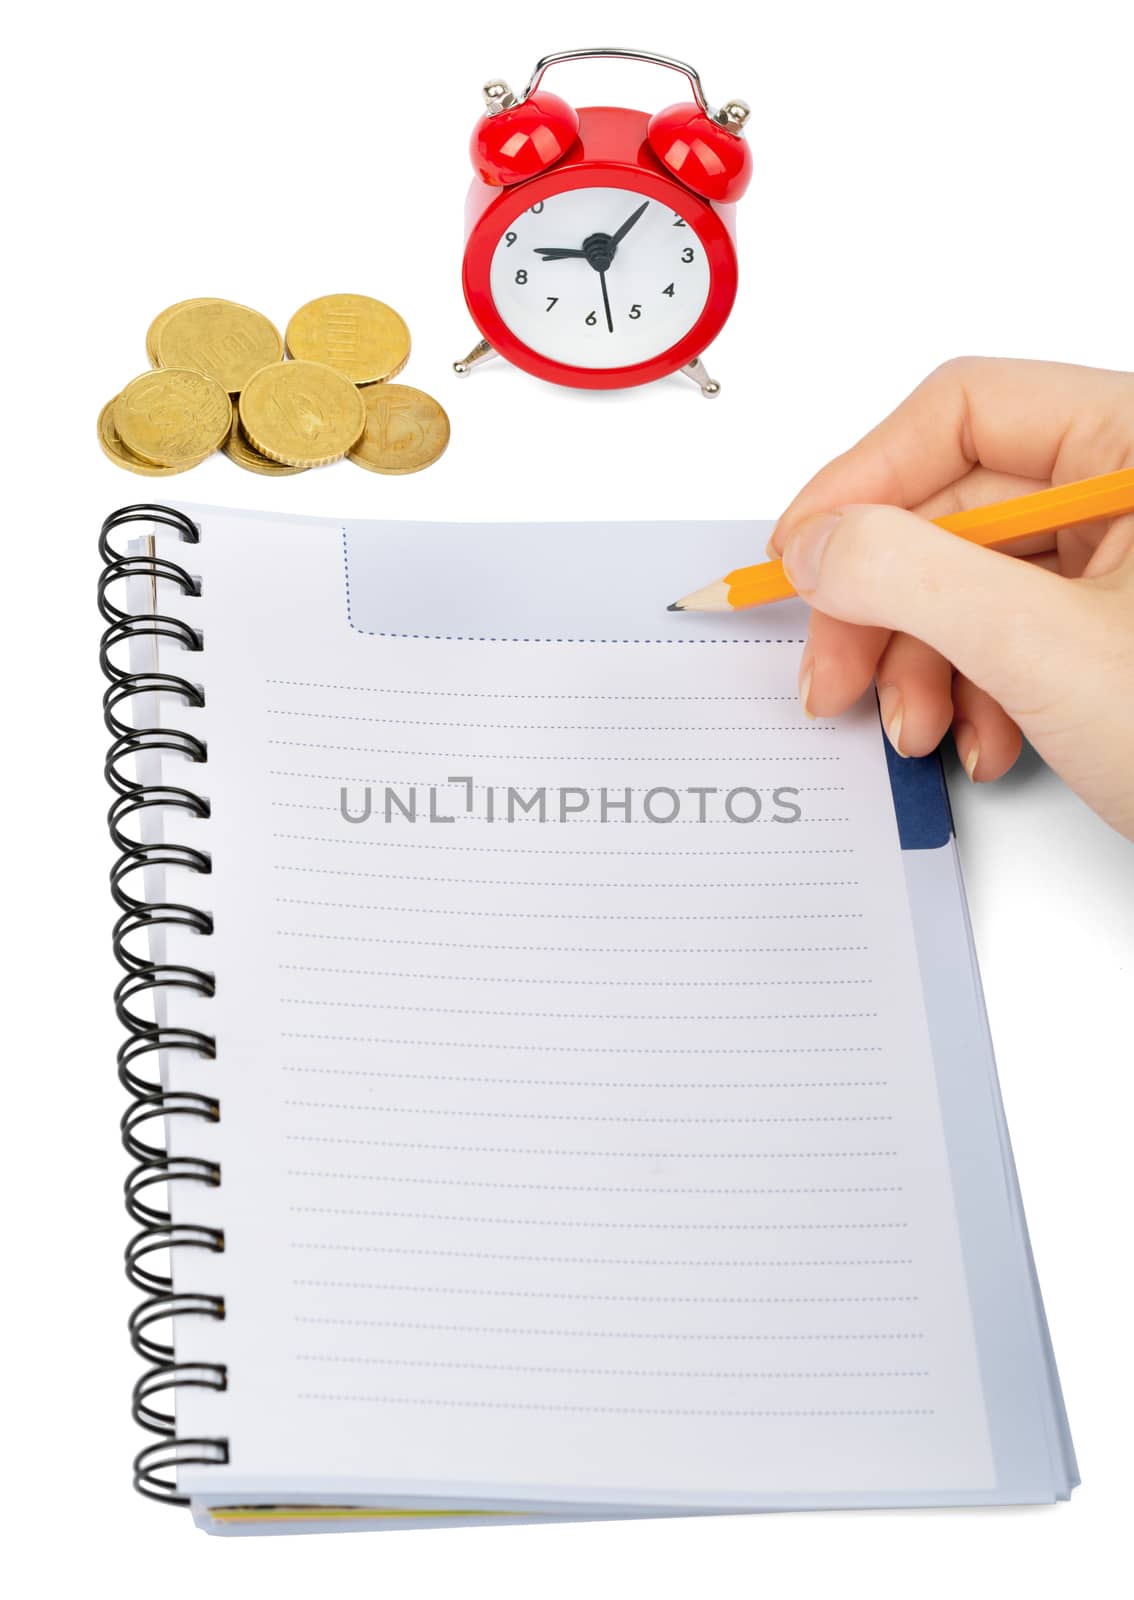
(714, 597)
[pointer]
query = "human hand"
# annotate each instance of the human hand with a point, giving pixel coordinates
(1040, 641)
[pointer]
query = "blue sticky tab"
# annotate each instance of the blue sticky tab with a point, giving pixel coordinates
(921, 800)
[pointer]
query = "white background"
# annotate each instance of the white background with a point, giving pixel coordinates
(931, 180)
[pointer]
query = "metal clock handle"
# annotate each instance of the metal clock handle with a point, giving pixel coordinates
(731, 115)
(617, 54)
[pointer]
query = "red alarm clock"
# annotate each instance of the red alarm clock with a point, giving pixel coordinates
(600, 245)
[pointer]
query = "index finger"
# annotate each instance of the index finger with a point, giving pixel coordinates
(1037, 420)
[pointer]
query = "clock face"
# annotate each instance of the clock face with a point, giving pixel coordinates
(600, 277)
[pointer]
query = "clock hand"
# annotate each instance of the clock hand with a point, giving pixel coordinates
(606, 302)
(609, 243)
(617, 238)
(599, 250)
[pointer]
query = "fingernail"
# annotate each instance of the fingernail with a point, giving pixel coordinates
(968, 748)
(890, 707)
(803, 554)
(770, 549)
(807, 672)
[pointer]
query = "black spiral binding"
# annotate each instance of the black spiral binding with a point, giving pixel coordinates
(147, 1185)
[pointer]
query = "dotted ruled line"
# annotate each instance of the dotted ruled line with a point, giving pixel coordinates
(729, 1262)
(581, 949)
(747, 757)
(585, 1188)
(572, 1116)
(602, 1372)
(426, 783)
(599, 1155)
(592, 1050)
(576, 983)
(466, 820)
(618, 1411)
(585, 1222)
(609, 1333)
(616, 1299)
(528, 1082)
(582, 916)
(530, 850)
(545, 883)
(584, 1016)
(485, 788)
(502, 694)
(559, 727)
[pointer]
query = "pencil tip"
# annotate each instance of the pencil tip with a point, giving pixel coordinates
(713, 598)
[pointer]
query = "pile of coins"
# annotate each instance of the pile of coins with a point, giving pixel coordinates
(222, 378)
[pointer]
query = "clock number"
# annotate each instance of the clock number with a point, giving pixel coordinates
(635, 312)
(669, 290)
(678, 222)
(552, 300)
(536, 209)
(522, 275)
(687, 254)
(591, 319)
(510, 239)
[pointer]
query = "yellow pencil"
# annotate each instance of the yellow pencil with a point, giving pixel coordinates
(1111, 495)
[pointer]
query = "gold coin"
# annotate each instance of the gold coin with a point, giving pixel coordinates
(172, 418)
(357, 336)
(113, 447)
(301, 413)
(225, 341)
(405, 430)
(237, 448)
(159, 323)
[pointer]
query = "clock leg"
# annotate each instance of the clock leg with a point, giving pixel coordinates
(476, 357)
(695, 370)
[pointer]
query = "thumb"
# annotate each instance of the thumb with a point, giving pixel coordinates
(1008, 625)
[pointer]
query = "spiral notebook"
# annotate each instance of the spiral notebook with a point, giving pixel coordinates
(559, 1081)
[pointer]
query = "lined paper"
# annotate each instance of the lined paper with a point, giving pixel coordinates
(595, 1153)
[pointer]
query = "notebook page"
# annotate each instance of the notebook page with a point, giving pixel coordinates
(579, 1136)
